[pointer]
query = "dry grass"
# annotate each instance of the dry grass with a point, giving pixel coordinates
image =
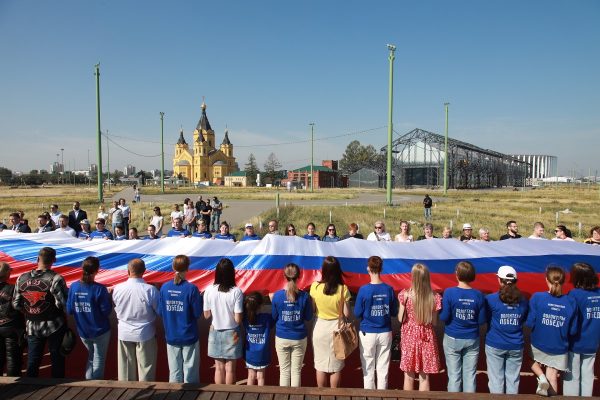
(256, 193)
(490, 209)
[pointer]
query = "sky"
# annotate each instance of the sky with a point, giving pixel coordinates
(521, 77)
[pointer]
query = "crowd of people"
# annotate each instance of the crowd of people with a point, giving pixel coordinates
(203, 219)
(564, 328)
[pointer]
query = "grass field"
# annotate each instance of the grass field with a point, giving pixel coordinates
(489, 208)
(256, 193)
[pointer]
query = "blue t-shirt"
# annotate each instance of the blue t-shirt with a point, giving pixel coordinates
(587, 338)
(151, 238)
(120, 237)
(229, 236)
(376, 305)
(90, 305)
(180, 306)
(328, 238)
(203, 235)
(178, 233)
(258, 343)
(290, 316)
(463, 310)
(250, 237)
(552, 321)
(505, 323)
(105, 234)
(313, 237)
(84, 235)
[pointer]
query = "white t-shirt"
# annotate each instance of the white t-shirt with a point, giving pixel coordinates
(384, 237)
(68, 230)
(568, 239)
(537, 237)
(223, 305)
(399, 238)
(157, 221)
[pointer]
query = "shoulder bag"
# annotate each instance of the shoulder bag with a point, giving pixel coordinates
(345, 338)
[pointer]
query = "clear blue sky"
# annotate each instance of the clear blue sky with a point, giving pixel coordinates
(521, 76)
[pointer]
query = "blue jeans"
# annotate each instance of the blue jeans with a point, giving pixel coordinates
(503, 368)
(35, 353)
(579, 379)
(184, 363)
(215, 220)
(97, 347)
(427, 213)
(461, 363)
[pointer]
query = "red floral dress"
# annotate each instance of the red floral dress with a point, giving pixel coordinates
(418, 342)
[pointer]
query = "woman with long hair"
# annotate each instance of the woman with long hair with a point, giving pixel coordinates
(327, 295)
(12, 326)
(90, 304)
(375, 306)
(290, 230)
(420, 354)
(258, 338)
(224, 302)
(291, 309)
(552, 320)
(506, 313)
(404, 235)
(180, 306)
(157, 220)
(579, 379)
(330, 234)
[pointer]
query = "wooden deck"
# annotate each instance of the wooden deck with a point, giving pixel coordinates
(65, 389)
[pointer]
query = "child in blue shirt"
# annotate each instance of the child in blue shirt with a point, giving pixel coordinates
(463, 310)
(258, 334)
(291, 309)
(552, 320)
(375, 306)
(506, 311)
(311, 235)
(180, 306)
(90, 304)
(579, 379)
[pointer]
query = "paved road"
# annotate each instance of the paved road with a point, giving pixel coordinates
(238, 212)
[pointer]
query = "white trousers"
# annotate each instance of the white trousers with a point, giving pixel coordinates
(375, 357)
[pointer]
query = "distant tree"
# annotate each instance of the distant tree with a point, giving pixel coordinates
(356, 157)
(251, 170)
(272, 166)
(5, 175)
(33, 172)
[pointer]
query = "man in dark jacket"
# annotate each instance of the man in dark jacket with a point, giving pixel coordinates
(76, 215)
(42, 296)
(17, 225)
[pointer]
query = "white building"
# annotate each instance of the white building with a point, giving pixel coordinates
(541, 166)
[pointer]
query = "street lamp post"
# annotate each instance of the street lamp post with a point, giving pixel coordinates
(57, 168)
(391, 58)
(162, 153)
(312, 152)
(108, 160)
(446, 152)
(99, 136)
(62, 164)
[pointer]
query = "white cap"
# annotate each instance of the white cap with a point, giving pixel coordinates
(248, 225)
(507, 272)
(467, 226)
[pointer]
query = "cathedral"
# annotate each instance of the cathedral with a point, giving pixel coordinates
(202, 161)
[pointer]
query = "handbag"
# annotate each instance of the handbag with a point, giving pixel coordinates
(345, 338)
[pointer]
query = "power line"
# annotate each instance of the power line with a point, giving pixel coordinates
(108, 137)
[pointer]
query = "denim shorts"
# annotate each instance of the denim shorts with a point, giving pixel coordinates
(225, 344)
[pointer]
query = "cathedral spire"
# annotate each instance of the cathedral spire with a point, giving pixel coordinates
(203, 124)
(226, 138)
(181, 138)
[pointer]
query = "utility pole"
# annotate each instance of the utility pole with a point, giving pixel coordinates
(312, 152)
(162, 153)
(108, 159)
(446, 152)
(391, 58)
(99, 136)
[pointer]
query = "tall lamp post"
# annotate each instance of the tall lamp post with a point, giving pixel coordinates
(99, 136)
(446, 152)
(62, 164)
(312, 152)
(391, 58)
(162, 153)
(57, 169)
(108, 159)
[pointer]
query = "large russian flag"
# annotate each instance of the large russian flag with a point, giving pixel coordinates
(259, 263)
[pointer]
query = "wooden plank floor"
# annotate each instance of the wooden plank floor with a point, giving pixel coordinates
(67, 389)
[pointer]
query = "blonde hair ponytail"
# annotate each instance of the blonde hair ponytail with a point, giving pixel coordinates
(291, 273)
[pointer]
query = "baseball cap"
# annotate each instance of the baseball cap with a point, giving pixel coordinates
(84, 222)
(467, 226)
(248, 225)
(507, 272)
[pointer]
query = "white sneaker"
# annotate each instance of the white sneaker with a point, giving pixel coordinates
(542, 386)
